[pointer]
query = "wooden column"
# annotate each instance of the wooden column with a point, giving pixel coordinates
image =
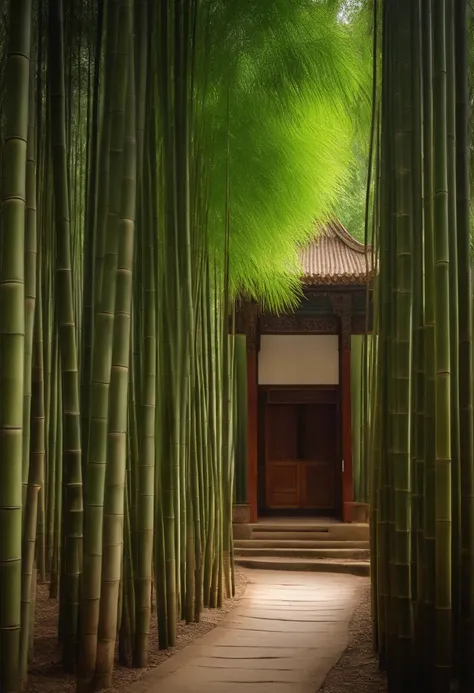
(342, 305)
(251, 323)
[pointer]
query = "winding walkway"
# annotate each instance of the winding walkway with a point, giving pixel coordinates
(285, 635)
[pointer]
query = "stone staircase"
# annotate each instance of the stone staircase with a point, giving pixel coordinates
(306, 546)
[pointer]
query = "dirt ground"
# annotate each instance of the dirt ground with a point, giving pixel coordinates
(46, 674)
(357, 671)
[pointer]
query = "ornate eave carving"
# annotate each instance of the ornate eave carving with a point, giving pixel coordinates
(342, 320)
(297, 324)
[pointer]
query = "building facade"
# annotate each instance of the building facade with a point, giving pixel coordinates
(299, 459)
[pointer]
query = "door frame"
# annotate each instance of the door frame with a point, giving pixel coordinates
(295, 394)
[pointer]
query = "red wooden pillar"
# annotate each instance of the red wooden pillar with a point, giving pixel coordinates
(342, 308)
(347, 476)
(251, 323)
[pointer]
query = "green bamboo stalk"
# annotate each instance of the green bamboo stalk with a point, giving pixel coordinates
(227, 360)
(430, 452)
(391, 477)
(217, 578)
(38, 430)
(30, 267)
(384, 437)
(90, 239)
(208, 350)
(73, 504)
(180, 55)
(95, 572)
(34, 585)
(31, 473)
(50, 441)
(127, 610)
(403, 209)
(12, 331)
(118, 396)
(196, 486)
(466, 396)
(443, 488)
(418, 402)
(152, 246)
(146, 469)
(454, 323)
(55, 456)
(404, 318)
(35, 483)
(172, 347)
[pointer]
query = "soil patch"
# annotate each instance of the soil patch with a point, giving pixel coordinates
(357, 670)
(46, 674)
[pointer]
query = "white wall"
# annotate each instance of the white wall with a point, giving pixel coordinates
(298, 360)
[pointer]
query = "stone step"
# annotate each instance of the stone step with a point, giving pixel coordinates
(315, 565)
(336, 533)
(329, 552)
(298, 544)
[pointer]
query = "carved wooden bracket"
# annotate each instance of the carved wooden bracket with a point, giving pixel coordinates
(342, 307)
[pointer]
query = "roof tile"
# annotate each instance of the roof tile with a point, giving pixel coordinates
(335, 257)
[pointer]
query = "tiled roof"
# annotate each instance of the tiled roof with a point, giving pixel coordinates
(335, 257)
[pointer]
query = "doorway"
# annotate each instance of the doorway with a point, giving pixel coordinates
(302, 473)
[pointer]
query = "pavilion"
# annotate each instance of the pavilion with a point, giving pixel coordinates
(298, 398)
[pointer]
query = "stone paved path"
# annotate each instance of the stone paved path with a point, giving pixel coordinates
(286, 634)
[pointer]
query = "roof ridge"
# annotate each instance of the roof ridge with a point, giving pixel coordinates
(345, 237)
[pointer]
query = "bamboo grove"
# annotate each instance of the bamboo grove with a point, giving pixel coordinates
(422, 417)
(136, 170)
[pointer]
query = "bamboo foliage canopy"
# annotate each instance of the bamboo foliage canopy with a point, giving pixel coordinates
(421, 423)
(156, 158)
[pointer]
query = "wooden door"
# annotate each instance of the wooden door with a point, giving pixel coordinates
(319, 448)
(282, 456)
(301, 456)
